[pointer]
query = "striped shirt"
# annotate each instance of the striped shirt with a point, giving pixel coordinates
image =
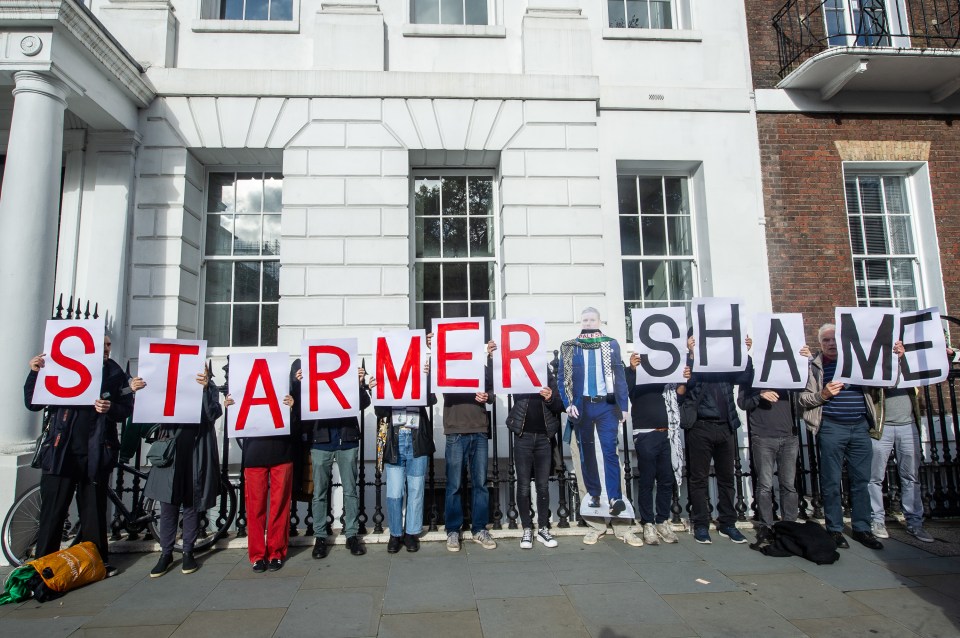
(846, 407)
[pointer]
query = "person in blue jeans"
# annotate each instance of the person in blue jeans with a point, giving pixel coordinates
(465, 424)
(406, 454)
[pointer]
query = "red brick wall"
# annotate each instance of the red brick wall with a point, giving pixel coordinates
(811, 269)
(762, 38)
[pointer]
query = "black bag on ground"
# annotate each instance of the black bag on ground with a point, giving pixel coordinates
(808, 540)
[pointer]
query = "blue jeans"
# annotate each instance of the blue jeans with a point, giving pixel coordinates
(406, 476)
(654, 464)
(471, 448)
(850, 440)
(599, 421)
(906, 441)
(322, 472)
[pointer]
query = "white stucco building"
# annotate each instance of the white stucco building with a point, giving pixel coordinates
(493, 157)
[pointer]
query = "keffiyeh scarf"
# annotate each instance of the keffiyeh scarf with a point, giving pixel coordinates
(673, 430)
(587, 341)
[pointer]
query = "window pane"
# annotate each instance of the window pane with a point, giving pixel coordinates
(853, 199)
(273, 192)
(454, 237)
(654, 235)
(679, 239)
(651, 196)
(271, 234)
(871, 201)
(615, 14)
(876, 236)
(631, 280)
(246, 239)
(454, 281)
(269, 325)
(895, 195)
(428, 282)
(681, 280)
(660, 17)
(901, 236)
(454, 195)
(904, 283)
(426, 313)
(231, 10)
(476, 12)
(676, 190)
(256, 10)
(627, 195)
(630, 235)
(637, 14)
(246, 325)
(856, 234)
(858, 279)
(249, 186)
(456, 310)
(654, 280)
(481, 281)
(219, 281)
(451, 11)
(271, 281)
(878, 279)
(481, 196)
(427, 196)
(216, 324)
(428, 236)
(219, 234)
(481, 236)
(281, 10)
(246, 281)
(220, 193)
(425, 11)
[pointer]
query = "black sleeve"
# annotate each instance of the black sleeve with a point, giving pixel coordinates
(631, 376)
(210, 406)
(364, 397)
(28, 387)
(294, 383)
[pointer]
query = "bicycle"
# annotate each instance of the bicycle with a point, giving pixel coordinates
(18, 536)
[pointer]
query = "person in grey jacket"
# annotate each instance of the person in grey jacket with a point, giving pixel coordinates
(191, 482)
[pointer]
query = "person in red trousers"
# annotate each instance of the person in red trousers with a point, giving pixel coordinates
(268, 470)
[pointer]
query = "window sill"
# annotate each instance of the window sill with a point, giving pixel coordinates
(454, 31)
(245, 26)
(654, 35)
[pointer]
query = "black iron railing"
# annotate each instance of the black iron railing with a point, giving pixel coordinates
(807, 27)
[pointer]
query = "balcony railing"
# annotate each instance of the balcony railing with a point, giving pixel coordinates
(807, 27)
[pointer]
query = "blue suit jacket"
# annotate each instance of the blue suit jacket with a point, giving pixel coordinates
(578, 372)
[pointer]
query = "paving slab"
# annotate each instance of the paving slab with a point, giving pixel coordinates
(694, 577)
(333, 613)
(924, 566)
(450, 586)
(151, 631)
(523, 579)
(740, 559)
(662, 553)
(462, 624)
(236, 623)
(584, 568)
(643, 630)
(920, 609)
(948, 584)
(547, 617)
(251, 594)
(244, 570)
(853, 572)
(332, 574)
(892, 550)
(730, 614)
(51, 627)
(632, 604)
(173, 590)
(874, 626)
(114, 617)
(800, 595)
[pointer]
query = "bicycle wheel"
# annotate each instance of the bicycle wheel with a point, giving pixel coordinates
(20, 528)
(211, 531)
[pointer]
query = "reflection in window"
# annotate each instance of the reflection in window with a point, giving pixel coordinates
(640, 14)
(656, 242)
(448, 12)
(256, 10)
(241, 265)
(454, 247)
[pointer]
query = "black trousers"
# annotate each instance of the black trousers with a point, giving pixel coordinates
(706, 441)
(531, 456)
(56, 494)
(655, 464)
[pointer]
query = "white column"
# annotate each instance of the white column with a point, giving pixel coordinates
(28, 239)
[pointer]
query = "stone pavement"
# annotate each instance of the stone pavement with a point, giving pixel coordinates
(608, 590)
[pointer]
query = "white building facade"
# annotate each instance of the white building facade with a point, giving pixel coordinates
(256, 173)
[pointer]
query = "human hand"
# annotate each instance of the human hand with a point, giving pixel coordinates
(372, 383)
(831, 390)
(228, 400)
(805, 351)
(288, 401)
(634, 360)
(299, 375)
(687, 372)
(898, 348)
(203, 378)
(691, 344)
(770, 395)
(361, 373)
(749, 342)
(429, 340)
(136, 383)
(546, 393)
(624, 416)
(426, 367)
(573, 412)
(37, 362)
(491, 346)
(102, 406)
(481, 397)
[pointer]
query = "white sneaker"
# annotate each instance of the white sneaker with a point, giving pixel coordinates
(650, 534)
(592, 536)
(453, 541)
(631, 539)
(665, 532)
(527, 541)
(879, 529)
(484, 539)
(545, 537)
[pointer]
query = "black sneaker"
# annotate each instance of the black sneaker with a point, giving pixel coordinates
(616, 507)
(320, 549)
(412, 541)
(394, 544)
(111, 570)
(594, 502)
(839, 539)
(275, 565)
(867, 539)
(355, 546)
(189, 563)
(163, 566)
(260, 566)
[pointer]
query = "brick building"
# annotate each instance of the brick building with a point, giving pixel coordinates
(856, 103)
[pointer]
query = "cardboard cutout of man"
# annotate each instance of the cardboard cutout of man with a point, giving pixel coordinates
(594, 393)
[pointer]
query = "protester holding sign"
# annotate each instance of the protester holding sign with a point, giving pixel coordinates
(334, 440)
(659, 447)
(841, 416)
(190, 481)
(712, 436)
(408, 446)
(81, 446)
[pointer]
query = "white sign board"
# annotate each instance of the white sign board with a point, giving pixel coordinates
(73, 368)
(330, 387)
(457, 361)
(865, 338)
(520, 361)
(398, 358)
(660, 338)
(170, 368)
(924, 360)
(718, 330)
(777, 362)
(258, 383)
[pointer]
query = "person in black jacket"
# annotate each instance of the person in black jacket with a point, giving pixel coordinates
(333, 440)
(406, 453)
(78, 455)
(534, 420)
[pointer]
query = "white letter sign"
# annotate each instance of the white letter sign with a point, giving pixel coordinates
(660, 338)
(398, 358)
(170, 368)
(73, 367)
(458, 355)
(332, 389)
(777, 362)
(717, 328)
(519, 362)
(258, 382)
(924, 360)
(865, 338)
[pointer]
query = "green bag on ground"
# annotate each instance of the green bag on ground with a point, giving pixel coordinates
(18, 587)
